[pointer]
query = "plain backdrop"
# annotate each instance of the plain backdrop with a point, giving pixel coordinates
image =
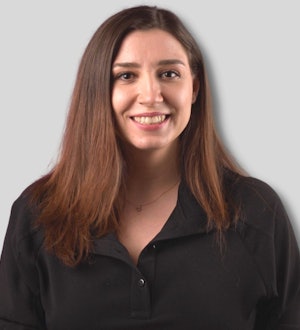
(252, 51)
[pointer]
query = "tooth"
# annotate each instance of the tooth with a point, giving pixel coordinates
(150, 120)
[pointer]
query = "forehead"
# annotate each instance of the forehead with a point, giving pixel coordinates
(144, 44)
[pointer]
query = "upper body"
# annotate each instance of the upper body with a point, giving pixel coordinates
(146, 222)
(181, 279)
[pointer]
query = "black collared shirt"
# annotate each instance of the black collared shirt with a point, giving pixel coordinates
(182, 279)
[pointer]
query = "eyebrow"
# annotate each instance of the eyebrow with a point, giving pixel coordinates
(136, 65)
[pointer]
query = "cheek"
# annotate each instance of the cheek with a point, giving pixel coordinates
(182, 93)
(119, 100)
(184, 100)
(115, 100)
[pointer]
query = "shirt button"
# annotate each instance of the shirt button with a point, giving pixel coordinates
(141, 282)
(154, 246)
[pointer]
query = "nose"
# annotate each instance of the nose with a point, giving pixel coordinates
(149, 92)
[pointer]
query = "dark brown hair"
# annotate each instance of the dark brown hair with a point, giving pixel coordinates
(79, 199)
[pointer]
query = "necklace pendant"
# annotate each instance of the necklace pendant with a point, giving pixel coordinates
(139, 208)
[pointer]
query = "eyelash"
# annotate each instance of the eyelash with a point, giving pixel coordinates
(172, 72)
(121, 75)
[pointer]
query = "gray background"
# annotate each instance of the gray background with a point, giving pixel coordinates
(252, 53)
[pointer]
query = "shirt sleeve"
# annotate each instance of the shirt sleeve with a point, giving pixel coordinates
(271, 241)
(20, 306)
(269, 238)
(287, 265)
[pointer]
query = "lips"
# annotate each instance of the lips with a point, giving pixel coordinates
(150, 120)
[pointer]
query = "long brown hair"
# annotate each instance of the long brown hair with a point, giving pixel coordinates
(80, 198)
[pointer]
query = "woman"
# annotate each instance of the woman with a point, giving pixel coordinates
(145, 222)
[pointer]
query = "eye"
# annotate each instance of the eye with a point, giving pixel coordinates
(126, 76)
(170, 74)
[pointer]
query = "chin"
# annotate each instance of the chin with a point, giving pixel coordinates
(154, 145)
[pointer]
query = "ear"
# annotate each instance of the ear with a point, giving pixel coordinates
(196, 86)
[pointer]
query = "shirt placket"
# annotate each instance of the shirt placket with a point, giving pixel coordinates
(143, 277)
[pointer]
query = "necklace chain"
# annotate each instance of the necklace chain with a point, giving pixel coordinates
(139, 207)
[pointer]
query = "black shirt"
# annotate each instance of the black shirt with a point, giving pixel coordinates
(182, 280)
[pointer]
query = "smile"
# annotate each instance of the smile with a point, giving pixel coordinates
(150, 120)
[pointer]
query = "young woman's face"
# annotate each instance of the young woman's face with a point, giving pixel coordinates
(153, 89)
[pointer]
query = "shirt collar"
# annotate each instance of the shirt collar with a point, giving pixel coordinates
(188, 218)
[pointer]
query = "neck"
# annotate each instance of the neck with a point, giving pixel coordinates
(154, 169)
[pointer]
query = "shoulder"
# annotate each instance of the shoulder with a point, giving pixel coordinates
(261, 211)
(249, 190)
(264, 223)
(255, 197)
(22, 232)
(22, 244)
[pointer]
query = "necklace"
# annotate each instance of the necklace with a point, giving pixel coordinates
(139, 207)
